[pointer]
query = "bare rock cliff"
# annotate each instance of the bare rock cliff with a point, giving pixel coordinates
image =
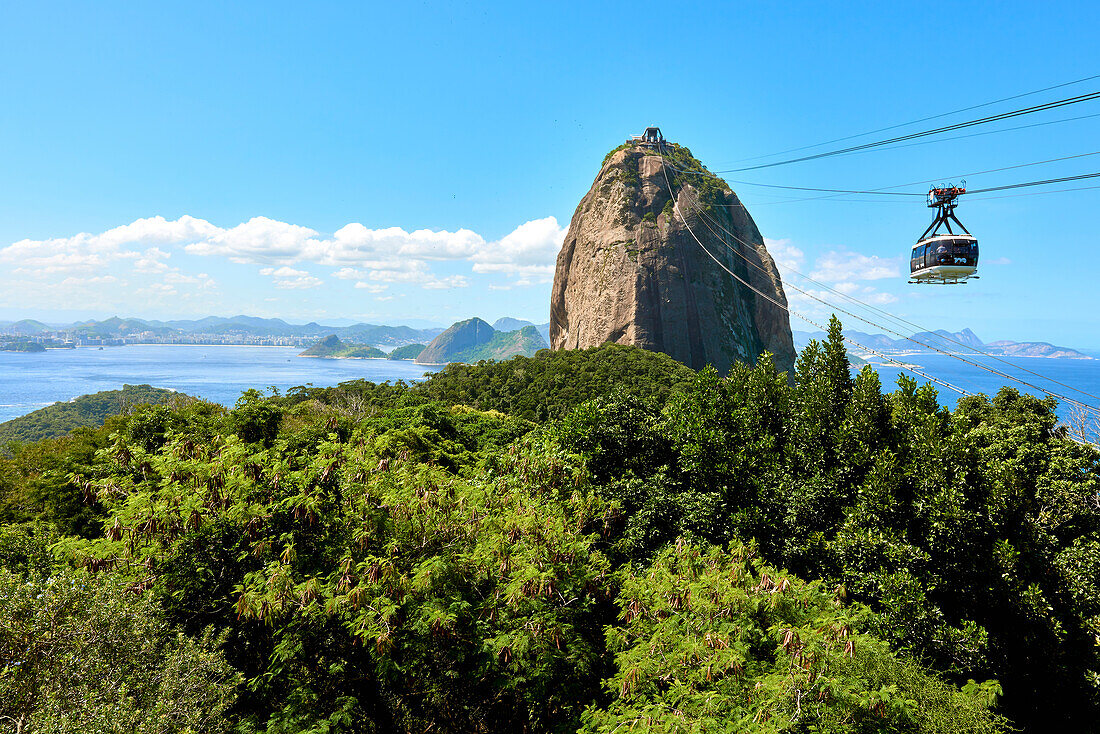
(630, 271)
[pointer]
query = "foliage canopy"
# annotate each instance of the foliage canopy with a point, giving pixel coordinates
(577, 541)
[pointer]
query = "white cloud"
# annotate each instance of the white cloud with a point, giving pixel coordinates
(283, 272)
(152, 261)
(528, 252)
(97, 280)
(451, 281)
(159, 256)
(288, 278)
(301, 282)
(158, 230)
(156, 291)
(787, 257)
(354, 243)
(840, 266)
(259, 240)
(835, 271)
(879, 298)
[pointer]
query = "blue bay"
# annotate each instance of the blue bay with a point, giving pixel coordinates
(217, 373)
(221, 373)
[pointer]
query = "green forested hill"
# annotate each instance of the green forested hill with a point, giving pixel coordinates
(504, 344)
(87, 410)
(596, 541)
(409, 351)
(21, 346)
(332, 348)
(474, 340)
(547, 385)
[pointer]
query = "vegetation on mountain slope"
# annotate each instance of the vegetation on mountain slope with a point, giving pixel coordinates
(653, 550)
(474, 340)
(22, 346)
(87, 410)
(409, 351)
(332, 348)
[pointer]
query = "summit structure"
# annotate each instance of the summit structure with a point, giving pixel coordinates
(631, 271)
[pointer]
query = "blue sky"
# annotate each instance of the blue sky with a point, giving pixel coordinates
(417, 161)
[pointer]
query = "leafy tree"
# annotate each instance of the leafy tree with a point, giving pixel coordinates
(469, 553)
(79, 654)
(717, 641)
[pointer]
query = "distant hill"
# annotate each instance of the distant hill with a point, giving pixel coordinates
(409, 351)
(474, 340)
(85, 411)
(332, 348)
(964, 342)
(393, 336)
(22, 346)
(510, 324)
(26, 327)
(1034, 349)
(544, 329)
(115, 327)
(240, 325)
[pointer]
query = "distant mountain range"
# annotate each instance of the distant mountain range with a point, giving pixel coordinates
(251, 327)
(965, 341)
(241, 326)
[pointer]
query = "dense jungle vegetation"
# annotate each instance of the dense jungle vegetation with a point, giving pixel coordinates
(593, 541)
(84, 411)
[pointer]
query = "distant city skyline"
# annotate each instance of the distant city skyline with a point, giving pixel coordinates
(409, 164)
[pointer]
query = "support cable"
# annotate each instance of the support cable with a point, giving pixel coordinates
(784, 307)
(676, 206)
(923, 119)
(926, 142)
(898, 319)
(925, 133)
(885, 190)
(808, 294)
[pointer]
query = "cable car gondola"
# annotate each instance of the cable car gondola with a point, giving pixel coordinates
(944, 259)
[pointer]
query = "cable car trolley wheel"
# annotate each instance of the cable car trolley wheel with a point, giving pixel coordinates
(944, 258)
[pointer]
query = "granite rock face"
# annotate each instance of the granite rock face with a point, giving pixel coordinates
(631, 272)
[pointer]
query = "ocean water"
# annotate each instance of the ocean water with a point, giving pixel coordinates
(31, 381)
(1078, 379)
(217, 373)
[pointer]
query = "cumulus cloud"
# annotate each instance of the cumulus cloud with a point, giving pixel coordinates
(839, 266)
(301, 282)
(787, 257)
(353, 243)
(289, 278)
(159, 256)
(97, 280)
(528, 251)
(849, 273)
(259, 240)
(283, 272)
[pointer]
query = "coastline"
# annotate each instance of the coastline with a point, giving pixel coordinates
(323, 356)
